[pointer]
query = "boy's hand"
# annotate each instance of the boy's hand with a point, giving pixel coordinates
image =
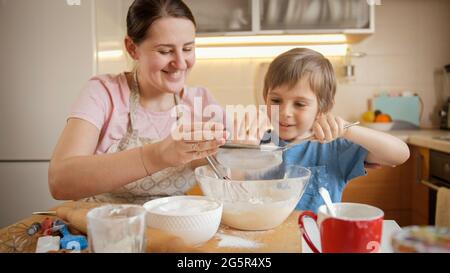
(327, 128)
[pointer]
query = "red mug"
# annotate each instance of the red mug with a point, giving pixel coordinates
(355, 228)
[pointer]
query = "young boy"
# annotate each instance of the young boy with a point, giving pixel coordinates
(301, 82)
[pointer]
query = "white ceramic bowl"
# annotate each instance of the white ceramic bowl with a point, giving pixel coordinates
(255, 201)
(195, 219)
(380, 126)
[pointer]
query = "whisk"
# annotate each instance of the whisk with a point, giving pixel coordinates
(212, 161)
(233, 190)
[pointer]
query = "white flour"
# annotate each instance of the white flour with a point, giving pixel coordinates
(185, 207)
(236, 242)
(129, 244)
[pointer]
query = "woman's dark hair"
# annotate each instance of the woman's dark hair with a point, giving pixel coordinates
(142, 14)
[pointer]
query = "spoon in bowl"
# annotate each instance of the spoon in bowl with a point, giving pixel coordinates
(326, 197)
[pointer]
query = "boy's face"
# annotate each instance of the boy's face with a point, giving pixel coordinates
(298, 108)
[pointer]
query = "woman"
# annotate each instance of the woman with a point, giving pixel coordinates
(117, 145)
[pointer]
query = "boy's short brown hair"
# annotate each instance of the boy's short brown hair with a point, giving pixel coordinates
(289, 67)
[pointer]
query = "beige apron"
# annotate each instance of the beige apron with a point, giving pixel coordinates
(167, 182)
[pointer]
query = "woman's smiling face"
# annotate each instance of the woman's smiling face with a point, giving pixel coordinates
(167, 54)
(298, 108)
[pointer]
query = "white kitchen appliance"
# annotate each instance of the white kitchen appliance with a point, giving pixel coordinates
(47, 53)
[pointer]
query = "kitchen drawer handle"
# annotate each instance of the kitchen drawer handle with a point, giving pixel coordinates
(429, 185)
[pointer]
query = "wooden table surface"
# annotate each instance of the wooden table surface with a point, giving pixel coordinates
(285, 238)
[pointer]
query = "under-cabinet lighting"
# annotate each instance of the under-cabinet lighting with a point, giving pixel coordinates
(110, 54)
(235, 52)
(271, 40)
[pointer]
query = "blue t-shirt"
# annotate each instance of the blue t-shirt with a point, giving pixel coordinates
(331, 164)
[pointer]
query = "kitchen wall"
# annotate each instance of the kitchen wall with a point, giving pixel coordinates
(410, 46)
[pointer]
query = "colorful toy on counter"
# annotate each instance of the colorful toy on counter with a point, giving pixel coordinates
(50, 227)
(34, 228)
(23, 237)
(46, 226)
(70, 241)
(47, 243)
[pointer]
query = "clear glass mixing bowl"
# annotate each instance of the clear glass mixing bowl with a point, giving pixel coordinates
(255, 200)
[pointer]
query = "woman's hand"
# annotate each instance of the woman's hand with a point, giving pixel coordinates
(188, 143)
(328, 127)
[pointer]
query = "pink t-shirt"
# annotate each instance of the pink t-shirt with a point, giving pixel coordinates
(105, 100)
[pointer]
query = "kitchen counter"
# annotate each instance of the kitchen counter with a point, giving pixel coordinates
(283, 239)
(425, 138)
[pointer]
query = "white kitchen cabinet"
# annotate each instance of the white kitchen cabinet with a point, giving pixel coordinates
(250, 17)
(317, 16)
(218, 16)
